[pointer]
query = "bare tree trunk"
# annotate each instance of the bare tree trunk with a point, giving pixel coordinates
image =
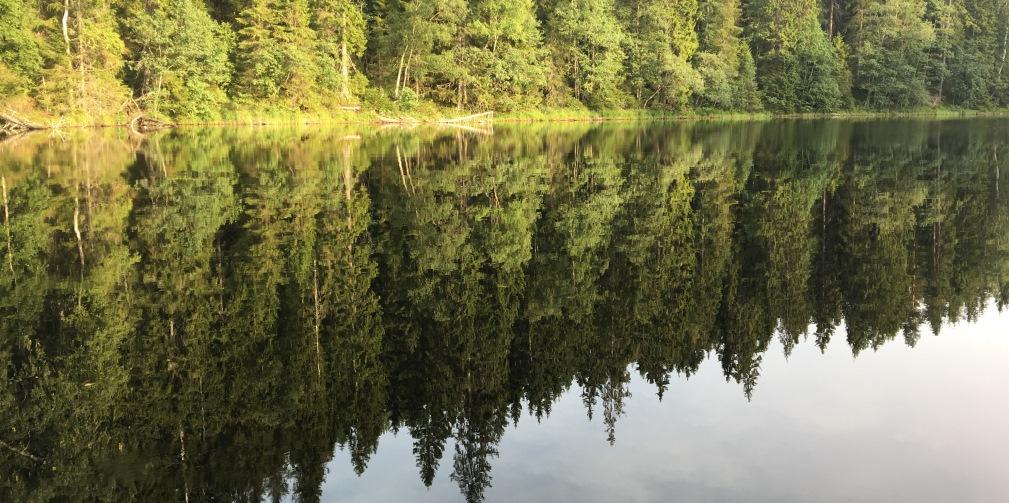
(344, 59)
(399, 74)
(182, 457)
(406, 69)
(830, 29)
(945, 29)
(20, 452)
(66, 32)
(1005, 45)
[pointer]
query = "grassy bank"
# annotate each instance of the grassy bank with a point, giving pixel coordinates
(248, 116)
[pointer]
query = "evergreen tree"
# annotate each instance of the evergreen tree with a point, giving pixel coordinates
(85, 54)
(416, 34)
(661, 40)
(180, 57)
(504, 56)
(276, 53)
(724, 61)
(891, 53)
(796, 64)
(20, 55)
(340, 26)
(585, 40)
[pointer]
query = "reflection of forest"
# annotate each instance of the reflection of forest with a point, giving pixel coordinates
(207, 314)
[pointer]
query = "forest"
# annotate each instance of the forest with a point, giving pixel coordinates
(207, 314)
(92, 61)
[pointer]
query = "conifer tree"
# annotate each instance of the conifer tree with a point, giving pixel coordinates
(585, 39)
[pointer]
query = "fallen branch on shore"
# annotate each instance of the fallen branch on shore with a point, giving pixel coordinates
(468, 118)
(11, 124)
(143, 124)
(398, 120)
(480, 117)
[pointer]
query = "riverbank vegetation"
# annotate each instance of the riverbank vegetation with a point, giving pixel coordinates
(106, 61)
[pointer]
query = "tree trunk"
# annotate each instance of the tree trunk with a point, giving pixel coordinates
(344, 59)
(66, 32)
(1005, 43)
(399, 74)
(830, 30)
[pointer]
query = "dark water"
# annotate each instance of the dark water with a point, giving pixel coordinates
(545, 313)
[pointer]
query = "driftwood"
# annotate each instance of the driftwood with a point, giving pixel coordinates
(11, 124)
(398, 120)
(143, 124)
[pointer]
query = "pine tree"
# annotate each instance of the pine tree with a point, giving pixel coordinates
(276, 53)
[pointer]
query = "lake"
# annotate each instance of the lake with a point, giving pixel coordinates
(777, 311)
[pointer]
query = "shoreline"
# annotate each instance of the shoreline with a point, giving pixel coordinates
(545, 116)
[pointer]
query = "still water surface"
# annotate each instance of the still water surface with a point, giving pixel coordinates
(773, 311)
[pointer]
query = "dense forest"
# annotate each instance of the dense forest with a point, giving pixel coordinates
(204, 315)
(196, 59)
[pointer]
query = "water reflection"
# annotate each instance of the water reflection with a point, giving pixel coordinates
(206, 314)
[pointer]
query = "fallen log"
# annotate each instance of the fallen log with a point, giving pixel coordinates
(143, 124)
(11, 124)
(480, 117)
(398, 120)
(467, 118)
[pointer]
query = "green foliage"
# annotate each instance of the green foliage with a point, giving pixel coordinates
(891, 53)
(20, 55)
(201, 59)
(82, 74)
(340, 27)
(725, 63)
(503, 61)
(586, 40)
(276, 53)
(796, 63)
(181, 58)
(661, 40)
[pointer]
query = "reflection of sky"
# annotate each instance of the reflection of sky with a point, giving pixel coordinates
(922, 424)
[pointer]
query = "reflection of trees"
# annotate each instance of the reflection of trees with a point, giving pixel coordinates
(211, 315)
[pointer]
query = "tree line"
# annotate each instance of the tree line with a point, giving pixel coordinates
(195, 58)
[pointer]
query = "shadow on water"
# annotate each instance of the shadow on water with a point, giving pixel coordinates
(206, 314)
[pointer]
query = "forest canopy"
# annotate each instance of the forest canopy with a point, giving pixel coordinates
(196, 59)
